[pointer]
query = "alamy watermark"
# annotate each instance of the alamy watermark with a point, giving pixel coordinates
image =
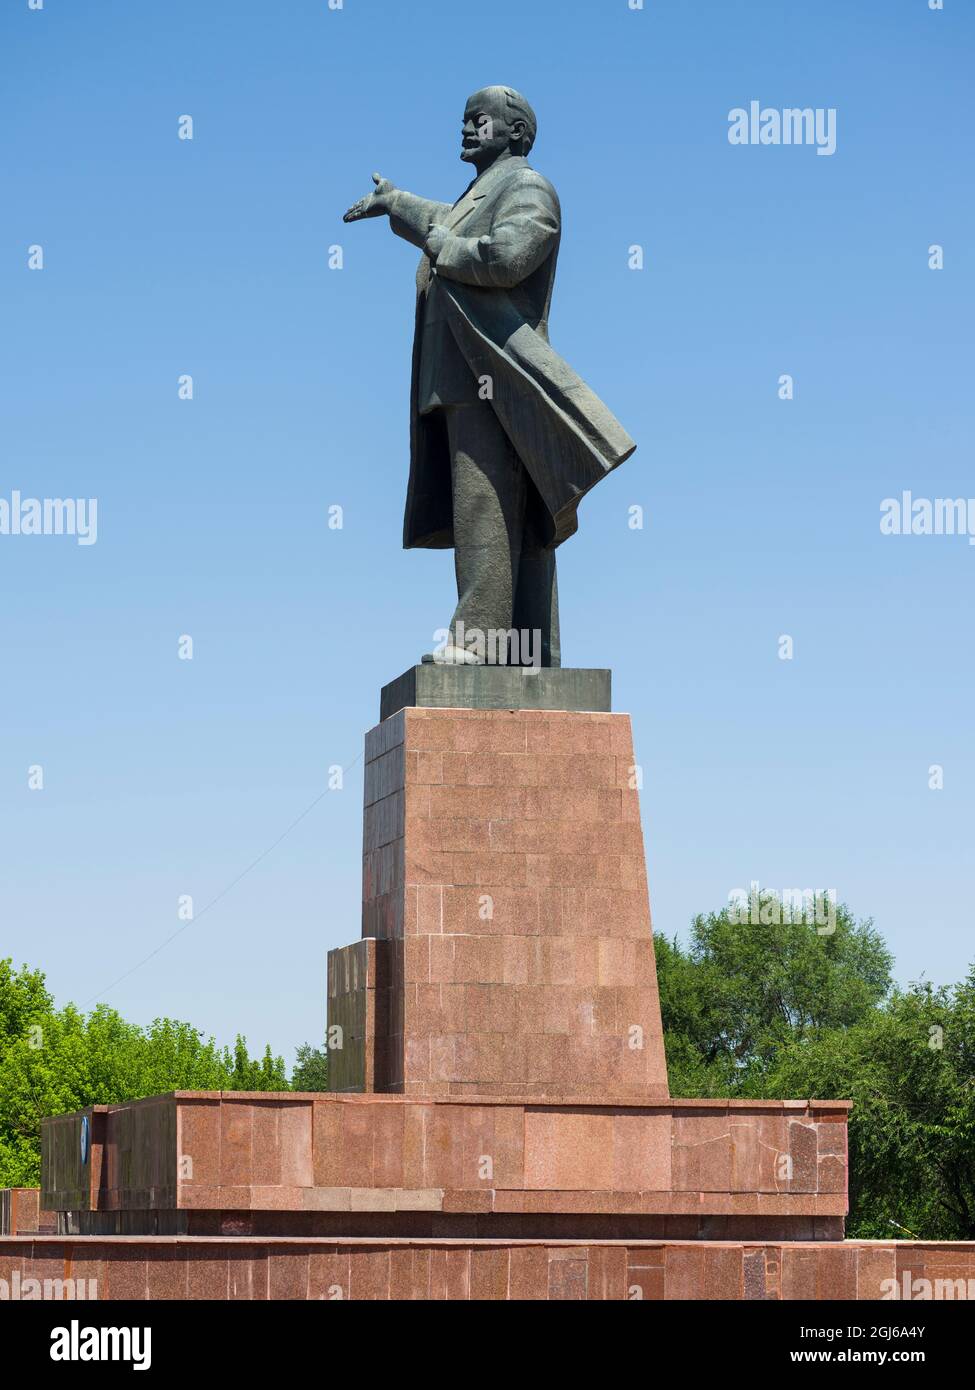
(18, 1290)
(767, 907)
(50, 516)
(77, 1343)
(908, 515)
(493, 646)
(793, 125)
(912, 1289)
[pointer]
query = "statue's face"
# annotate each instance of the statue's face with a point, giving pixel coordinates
(487, 129)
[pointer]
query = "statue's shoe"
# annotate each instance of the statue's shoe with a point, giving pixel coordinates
(451, 656)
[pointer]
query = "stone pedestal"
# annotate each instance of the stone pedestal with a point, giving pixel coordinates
(503, 1127)
(505, 899)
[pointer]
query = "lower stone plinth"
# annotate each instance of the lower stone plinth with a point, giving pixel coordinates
(194, 1268)
(308, 1163)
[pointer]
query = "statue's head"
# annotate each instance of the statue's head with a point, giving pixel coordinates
(496, 119)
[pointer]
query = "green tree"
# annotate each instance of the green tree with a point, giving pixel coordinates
(311, 1069)
(909, 1069)
(247, 1074)
(57, 1060)
(743, 991)
(23, 1000)
(785, 1010)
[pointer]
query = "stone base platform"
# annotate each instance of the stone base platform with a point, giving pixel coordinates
(499, 1125)
(281, 1268)
(296, 1163)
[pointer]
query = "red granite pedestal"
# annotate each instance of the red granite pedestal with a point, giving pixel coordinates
(499, 1121)
(506, 947)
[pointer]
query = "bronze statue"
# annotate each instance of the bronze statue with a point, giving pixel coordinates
(506, 439)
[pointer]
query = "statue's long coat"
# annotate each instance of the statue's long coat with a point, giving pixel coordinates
(495, 275)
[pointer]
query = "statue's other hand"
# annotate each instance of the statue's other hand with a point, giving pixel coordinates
(373, 204)
(436, 237)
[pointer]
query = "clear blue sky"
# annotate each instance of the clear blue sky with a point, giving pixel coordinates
(162, 257)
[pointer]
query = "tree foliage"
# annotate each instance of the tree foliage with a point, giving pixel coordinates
(311, 1069)
(909, 1069)
(56, 1060)
(786, 1010)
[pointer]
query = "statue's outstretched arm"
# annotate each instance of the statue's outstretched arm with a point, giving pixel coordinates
(412, 217)
(409, 216)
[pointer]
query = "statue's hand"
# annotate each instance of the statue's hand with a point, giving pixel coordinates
(374, 204)
(436, 237)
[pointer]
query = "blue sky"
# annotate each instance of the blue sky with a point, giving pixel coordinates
(163, 256)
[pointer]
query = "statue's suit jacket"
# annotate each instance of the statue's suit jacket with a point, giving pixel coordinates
(494, 280)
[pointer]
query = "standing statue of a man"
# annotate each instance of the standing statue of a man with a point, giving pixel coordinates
(505, 438)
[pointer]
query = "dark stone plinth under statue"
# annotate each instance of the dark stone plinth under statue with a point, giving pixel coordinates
(433, 686)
